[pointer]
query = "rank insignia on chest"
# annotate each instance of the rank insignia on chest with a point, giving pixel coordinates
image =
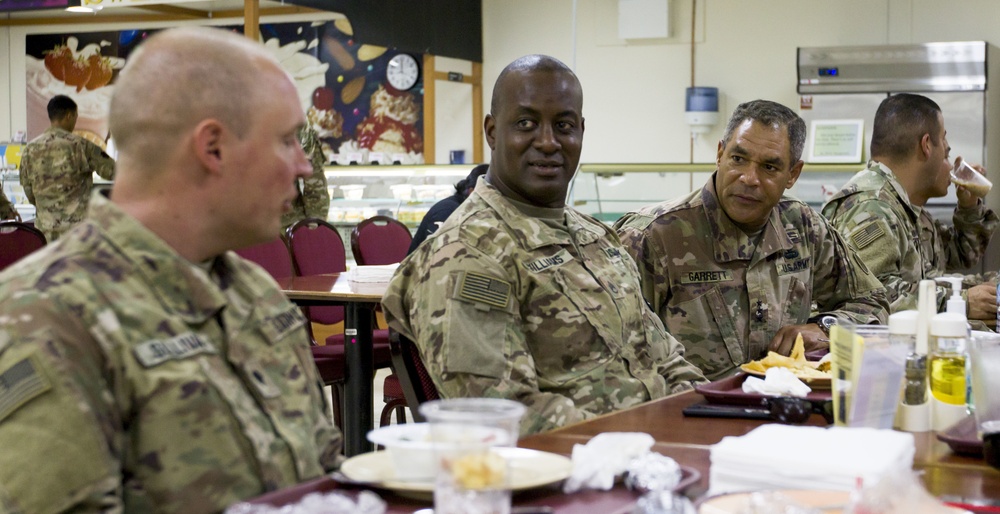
(485, 290)
(707, 276)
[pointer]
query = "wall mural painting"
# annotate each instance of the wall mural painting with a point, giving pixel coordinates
(341, 85)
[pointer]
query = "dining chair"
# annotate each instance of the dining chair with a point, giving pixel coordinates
(416, 382)
(273, 256)
(380, 240)
(18, 239)
(317, 248)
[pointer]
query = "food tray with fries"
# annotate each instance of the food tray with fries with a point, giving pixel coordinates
(816, 374)
(729, 391)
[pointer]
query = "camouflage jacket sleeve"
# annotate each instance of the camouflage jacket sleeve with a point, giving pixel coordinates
(469, 350)
(315, 196)
(653, 280)
(886, 242)
(7, 210)
(56, 378)
(25, 175)
(843, 285)
(98, 161)
(965, 242)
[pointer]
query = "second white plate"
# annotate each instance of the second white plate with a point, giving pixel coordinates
(529, 469)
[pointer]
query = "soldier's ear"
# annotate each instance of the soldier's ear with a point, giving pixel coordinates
(207, 142)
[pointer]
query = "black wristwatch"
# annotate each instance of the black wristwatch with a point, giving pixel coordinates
(825, 322)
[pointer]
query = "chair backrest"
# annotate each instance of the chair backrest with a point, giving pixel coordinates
(413, 377)
(17, 240)
(273, 256)
(380, 240)
(317, 248)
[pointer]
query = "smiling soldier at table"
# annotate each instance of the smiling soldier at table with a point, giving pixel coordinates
(733, 268)
(518, 295)
(144, 367)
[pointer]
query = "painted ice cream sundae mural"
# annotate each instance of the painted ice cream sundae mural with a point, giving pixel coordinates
(340, 82)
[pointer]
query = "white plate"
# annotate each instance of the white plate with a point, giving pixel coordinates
(529, 469)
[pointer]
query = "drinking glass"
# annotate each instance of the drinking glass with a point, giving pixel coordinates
(984, 353)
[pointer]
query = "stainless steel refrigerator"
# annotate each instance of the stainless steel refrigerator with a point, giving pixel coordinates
(850, 82)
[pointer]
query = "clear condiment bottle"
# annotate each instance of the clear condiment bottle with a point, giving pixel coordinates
(949, 340)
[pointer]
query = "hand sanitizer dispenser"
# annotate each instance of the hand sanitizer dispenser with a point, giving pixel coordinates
(956, 304)
(701, 108)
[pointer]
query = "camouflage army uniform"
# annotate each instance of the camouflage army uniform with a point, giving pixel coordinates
(57, 176)
(725, 298)
(537, 305)
(901, 243)
(7, 210)
(313, 200)
(134, 381)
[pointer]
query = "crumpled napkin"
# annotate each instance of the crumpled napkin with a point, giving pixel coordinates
(332, 502)
(777, 382)
(605, 456)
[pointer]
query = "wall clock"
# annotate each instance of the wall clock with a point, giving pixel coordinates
(402, 72)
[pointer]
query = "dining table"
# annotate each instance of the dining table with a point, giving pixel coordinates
(949, 476)
(359, 300)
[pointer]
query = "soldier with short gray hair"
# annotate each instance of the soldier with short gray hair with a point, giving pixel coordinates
(57, 170)
(519, 296)
(734, 268)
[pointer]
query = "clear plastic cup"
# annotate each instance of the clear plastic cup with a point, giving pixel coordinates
(984, 351)
(471, 476)
(964, 175)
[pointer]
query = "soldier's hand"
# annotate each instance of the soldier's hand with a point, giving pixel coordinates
(982, 301)
(813, 337)
(965, 197)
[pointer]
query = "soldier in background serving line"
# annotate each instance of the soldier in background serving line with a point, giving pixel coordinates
(313, 199)
(881, 210)
(519, 296)
(57, 170)
(7, 210)
(144, 367)
(733, 268)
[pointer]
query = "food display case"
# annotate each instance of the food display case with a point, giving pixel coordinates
(404, 192)
(608, 191)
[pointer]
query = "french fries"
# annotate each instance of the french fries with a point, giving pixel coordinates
(796, 363)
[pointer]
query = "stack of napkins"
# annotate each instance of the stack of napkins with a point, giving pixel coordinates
(372, 274)
(795, 457)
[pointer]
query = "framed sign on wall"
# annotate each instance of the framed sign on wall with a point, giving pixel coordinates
(836, 141)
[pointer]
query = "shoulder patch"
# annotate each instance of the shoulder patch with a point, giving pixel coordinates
(156, 352)
(867, 235)
(19, 384)
(483, 289)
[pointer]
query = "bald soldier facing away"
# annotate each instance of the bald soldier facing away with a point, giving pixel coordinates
(144, 367)
(733, 268)
(519, 296)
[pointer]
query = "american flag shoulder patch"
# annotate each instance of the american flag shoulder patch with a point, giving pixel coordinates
(483, 289)
(20, 383)
(867, 235)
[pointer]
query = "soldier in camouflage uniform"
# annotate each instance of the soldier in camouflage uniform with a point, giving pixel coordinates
(143, 366)
(313, 200)
(7, 210)
(57, 171)
(734, 268)
(519, 296)
(880, 211)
